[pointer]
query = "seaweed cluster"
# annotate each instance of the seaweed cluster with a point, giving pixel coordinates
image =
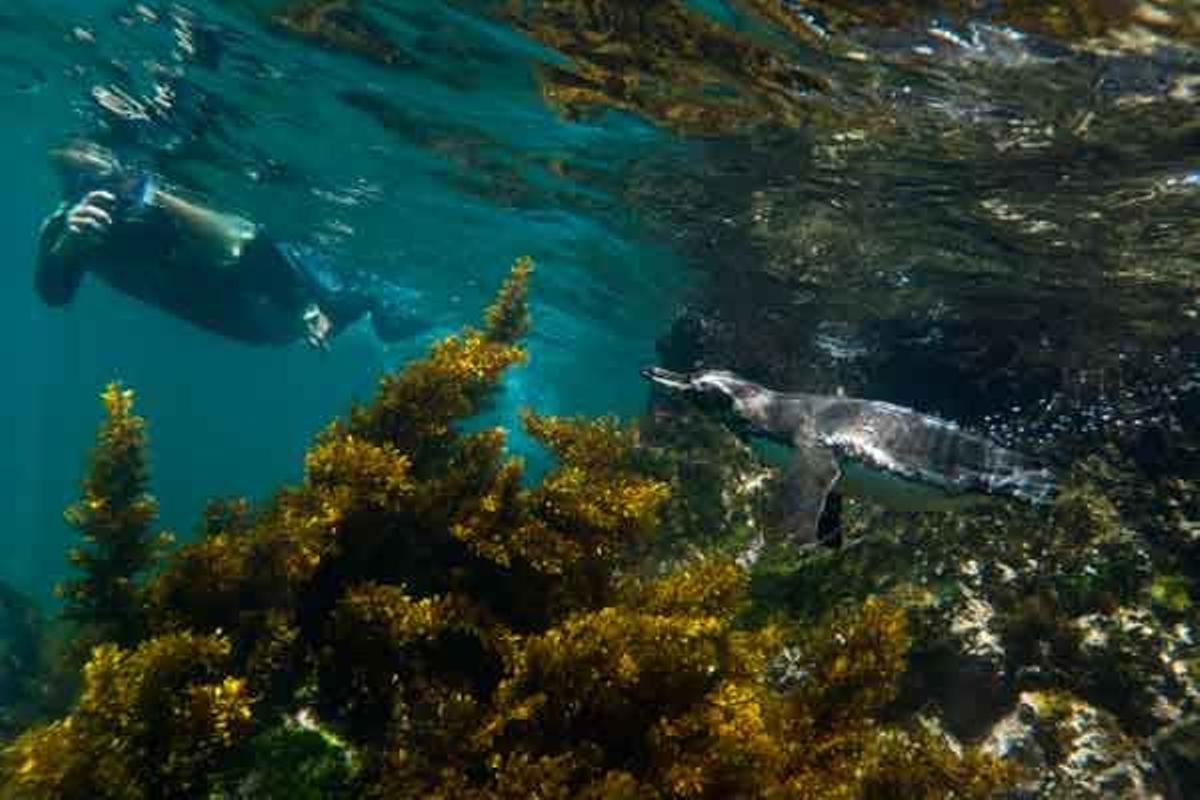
(114, 519)
(415, 619)
(340, 25)
(664, 60)
(150, 722)
(767, 66)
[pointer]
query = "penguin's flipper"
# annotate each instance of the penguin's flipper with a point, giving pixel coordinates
(829, 528)
(805, 489)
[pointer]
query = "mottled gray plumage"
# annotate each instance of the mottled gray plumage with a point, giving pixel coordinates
(896, 456)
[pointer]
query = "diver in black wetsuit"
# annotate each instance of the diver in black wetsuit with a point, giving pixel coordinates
(126, 224)
(216, 270)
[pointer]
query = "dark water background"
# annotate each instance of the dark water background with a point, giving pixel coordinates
(975, 212)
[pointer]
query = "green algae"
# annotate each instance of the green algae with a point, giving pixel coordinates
(1171, 593)
(296, 760)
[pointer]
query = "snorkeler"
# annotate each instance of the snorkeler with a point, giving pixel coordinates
(215, 270)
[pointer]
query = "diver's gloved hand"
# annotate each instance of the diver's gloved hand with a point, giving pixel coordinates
(316, 327)
(88, 223)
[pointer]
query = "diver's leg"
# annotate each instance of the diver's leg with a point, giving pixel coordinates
(394, 314)
(345, 296)
(330, 302)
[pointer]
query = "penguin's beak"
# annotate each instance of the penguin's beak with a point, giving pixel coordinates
(676, 381)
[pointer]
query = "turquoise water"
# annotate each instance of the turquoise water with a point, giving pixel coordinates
(444, 206)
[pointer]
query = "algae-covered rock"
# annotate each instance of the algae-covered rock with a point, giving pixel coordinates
(1137, 663)
(1072, 749)
(1009, 601)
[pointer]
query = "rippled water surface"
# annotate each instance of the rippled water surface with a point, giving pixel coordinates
(983, 209)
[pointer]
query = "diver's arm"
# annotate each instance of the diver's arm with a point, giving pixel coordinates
(67, 236)
(214, 235)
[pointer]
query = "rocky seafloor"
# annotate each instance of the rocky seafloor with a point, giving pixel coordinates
(1064, 639)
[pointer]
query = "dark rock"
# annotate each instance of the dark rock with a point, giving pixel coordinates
(1178, 752)
(21, 632)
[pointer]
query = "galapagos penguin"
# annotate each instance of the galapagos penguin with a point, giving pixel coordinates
(895, 456)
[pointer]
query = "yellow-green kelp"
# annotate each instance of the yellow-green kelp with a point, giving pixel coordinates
(668, 62)
(340, 25)
(441, 629)
(114, 518)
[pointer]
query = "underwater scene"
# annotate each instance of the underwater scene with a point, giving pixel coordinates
(600, 399)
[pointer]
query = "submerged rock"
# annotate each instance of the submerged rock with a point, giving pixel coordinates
(1039, 633)
(1072, 749)
(21, 632)
(961, 662)
(1142, 663)
(1178, 752)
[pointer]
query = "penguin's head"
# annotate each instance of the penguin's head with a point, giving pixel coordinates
(718, 391)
